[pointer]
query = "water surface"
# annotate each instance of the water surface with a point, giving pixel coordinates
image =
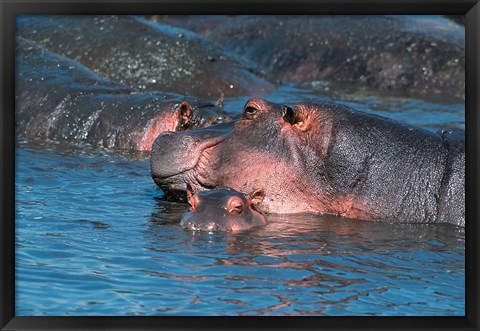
(93, 237)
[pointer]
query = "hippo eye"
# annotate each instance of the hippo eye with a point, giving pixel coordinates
(288, 114)
(250, 112)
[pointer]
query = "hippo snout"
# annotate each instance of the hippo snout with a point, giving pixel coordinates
(174, 153)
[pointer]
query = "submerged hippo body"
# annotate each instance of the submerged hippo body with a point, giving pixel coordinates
(322, 159)
(418, 54)
(57, 98)
(145, 55)
(222, 209)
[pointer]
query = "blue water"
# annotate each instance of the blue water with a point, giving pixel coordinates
(93, 237)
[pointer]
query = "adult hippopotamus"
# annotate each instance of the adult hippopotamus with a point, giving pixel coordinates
(145, 55)
(418, 54)
(222, 209)
(324, 158)
(58, 98)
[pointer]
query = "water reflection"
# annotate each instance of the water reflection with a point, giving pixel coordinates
(308, 264)
(319, 234)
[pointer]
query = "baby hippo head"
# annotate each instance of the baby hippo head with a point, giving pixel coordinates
(222, 209)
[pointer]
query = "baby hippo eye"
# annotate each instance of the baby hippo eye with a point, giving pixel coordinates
(288, 114)
(234, 206)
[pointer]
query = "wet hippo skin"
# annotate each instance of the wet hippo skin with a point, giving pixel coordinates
(222, 209)
(57, 98)
(418, 54)
(322, 159)
(145, 55)
(404, 53)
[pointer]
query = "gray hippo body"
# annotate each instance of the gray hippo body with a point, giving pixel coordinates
(322, 159)
(452, 201)
(422, 55)
(145, 55)
(58, 98)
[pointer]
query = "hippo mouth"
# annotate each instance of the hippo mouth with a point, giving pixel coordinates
(174, 186)
(172, 169)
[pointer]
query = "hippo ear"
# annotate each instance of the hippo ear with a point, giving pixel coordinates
(299, 118)
(289, 115)
(184, 112)
(256, 197)
(191, 197)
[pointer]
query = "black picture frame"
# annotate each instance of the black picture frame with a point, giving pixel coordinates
(11, 8)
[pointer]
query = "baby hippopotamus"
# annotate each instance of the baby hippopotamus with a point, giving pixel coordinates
(222, 209)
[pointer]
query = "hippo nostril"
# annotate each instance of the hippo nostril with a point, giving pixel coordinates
(288, 114)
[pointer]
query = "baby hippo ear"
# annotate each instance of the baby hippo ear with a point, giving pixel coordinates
(192, 198)
(256, 197)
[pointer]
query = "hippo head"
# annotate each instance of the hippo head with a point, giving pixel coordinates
(324, 158)
(156, 117)
(222, 209)
(272, 147)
